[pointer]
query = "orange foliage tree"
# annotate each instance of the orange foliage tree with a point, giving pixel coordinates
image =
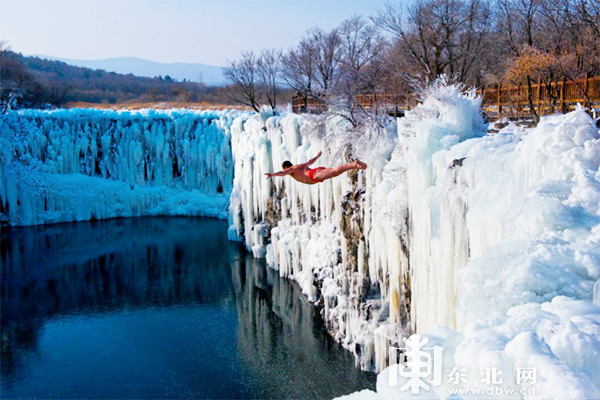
(544, 68)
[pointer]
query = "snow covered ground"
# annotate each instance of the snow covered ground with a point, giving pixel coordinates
(81, 164)
(486, 245)
(513, 261)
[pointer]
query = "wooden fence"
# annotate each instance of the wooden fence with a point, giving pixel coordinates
(497, 102)
(307, 104)
(546, 98)
(393, 104)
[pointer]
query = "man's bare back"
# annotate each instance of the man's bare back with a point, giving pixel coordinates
(302, 173)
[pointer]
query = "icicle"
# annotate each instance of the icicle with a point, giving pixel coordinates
(74, 165)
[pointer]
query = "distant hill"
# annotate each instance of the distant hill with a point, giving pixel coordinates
(207, 74)
(39, 82)
(36, 82)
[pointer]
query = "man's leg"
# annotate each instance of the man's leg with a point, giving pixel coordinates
(328, 173)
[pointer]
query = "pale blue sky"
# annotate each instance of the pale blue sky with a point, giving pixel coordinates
(202, 31)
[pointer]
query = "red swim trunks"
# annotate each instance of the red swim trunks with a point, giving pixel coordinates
(311, 174)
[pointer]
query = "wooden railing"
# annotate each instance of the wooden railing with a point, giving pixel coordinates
(390, 103)
(497, 102)
(307, 104)
(547, 99)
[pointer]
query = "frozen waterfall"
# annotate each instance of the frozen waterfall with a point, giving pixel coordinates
(81, 164)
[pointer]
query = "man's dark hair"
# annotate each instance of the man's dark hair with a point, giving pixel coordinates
(287, 164)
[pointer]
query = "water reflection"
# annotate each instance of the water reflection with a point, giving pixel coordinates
(157, 308)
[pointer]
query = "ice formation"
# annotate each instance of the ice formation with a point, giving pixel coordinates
(486, 244)
(312, 234)
(81, 164)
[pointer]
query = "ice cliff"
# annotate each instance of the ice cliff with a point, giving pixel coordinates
(488, 245)
(81, 164)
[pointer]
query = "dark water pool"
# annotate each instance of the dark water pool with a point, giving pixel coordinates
(157, 308)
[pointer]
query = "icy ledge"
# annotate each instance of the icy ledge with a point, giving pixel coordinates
(488, 245)
(81, 164)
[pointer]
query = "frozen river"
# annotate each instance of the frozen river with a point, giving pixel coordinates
(157, 307)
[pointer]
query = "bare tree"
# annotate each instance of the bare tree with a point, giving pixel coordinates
(413, 28)
(439, 36)
(268, 68)
(518, 28)
(583, 29)
(328, 53)
(361, 68)
(474, 43)
(244, 76)
(17, 83)
(57, 92)
(313, 67)
(299, 70)
(588, 11)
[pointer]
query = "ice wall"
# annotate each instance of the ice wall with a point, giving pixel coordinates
(516, 217)
(314, 234)
(80, 164)
(488, 243)
(360, 244)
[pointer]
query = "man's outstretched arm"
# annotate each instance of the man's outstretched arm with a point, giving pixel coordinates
(309, 162)
(280, 173)
(312, 160)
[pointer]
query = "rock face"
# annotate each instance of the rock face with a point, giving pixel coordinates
(352, 227)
